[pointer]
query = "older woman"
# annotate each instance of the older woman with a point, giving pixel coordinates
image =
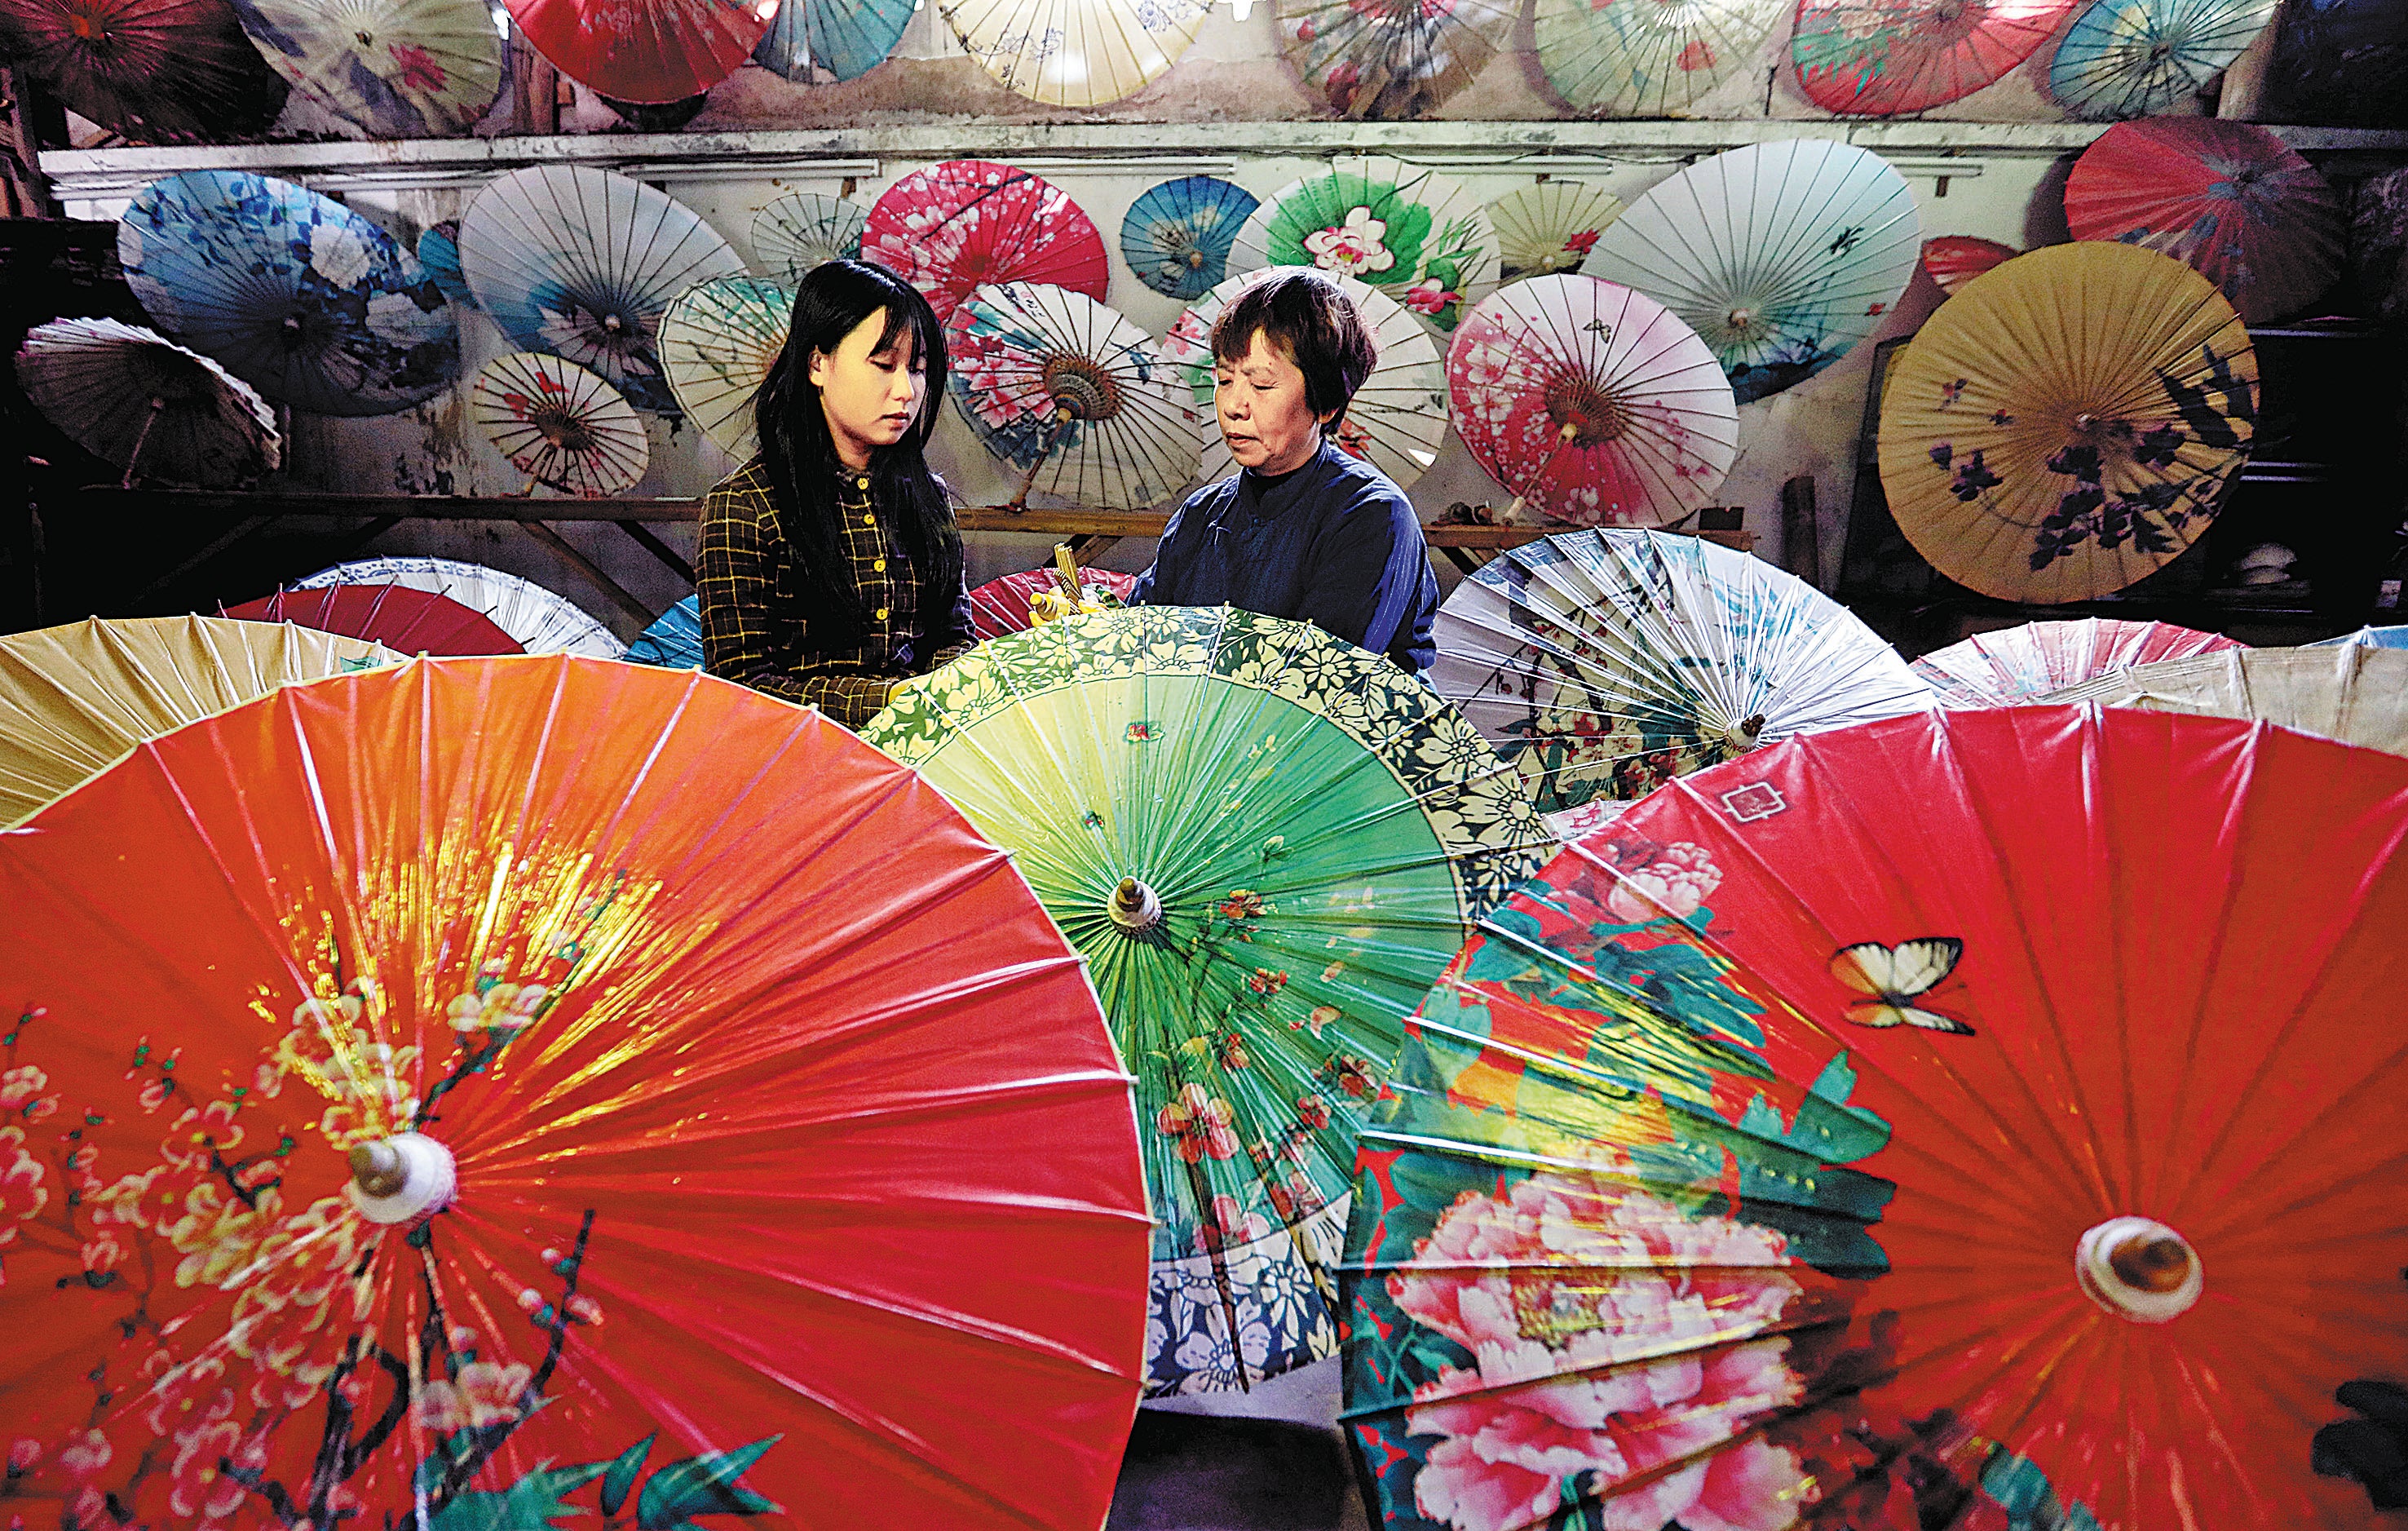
(1303, 529)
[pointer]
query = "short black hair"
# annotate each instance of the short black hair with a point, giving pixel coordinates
(1311, 323)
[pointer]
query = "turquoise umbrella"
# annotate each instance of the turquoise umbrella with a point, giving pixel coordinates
(1177, 236)
(2135, 58)
(2368, 638)
(674, 641)
(844, 39)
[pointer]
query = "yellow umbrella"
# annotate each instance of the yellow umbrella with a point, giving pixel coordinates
(2068, 422)
(1075, 52)
(2358, 696)
(74, 698)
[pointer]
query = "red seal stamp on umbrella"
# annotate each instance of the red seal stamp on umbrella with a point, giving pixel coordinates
(1757, 800)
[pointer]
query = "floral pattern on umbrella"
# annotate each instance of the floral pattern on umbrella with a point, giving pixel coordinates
(1410, 233)
(962, 225)
(1875, 58)
(1392, 58)
(1639, 58)
(392, 68)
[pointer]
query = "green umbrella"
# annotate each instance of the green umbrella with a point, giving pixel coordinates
(1266, 843)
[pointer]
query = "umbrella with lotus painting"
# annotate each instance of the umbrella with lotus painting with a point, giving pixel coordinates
(1408, 231)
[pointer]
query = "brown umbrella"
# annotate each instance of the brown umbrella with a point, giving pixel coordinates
(151, 70)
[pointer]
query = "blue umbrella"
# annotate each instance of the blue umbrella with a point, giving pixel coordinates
(299, 297)
(846, 39)
(1177, 236)
(674, 641)
(2368, 637)
(2133, 58)
(438, 252)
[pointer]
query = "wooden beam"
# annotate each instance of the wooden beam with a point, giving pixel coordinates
(651, 542)
(609, 587)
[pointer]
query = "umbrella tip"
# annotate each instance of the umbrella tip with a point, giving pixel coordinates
(2138, 1268)
(377, 1168)
(1135, 907)
(401, 1179)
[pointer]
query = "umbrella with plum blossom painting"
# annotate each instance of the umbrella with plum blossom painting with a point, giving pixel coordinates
(1829, 1143)
(1266, 843)
(956, 227)
(1875, 58)
(1412, 234)
(494, 1100)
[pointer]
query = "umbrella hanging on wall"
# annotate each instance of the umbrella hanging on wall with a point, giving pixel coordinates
(718, 341)
(1075, 52)
(1549, 227)
(2356, 693)
(674, 641)
(835, 40)
(1003, 605)
(957, 225)
(1072, 394)
(1392, 58)
(2019, 663)
(299, 297)
(1396, 420)
(2136, 58)
(2068, 422)
(2230, 199)
(1952, 260)
(1639, 58)
(539, 621)
(560, 424)
(1591, 403)
(392, 68)
(1780, 255)
(1413, 234)
(1177, 235)
(439, 254)
(404, 620)
(163, 414)
(803, 229)
(653, 51)
(1875, 58)
(158, 71)
(580, 262)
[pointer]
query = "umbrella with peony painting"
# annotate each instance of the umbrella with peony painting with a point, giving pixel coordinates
(531, 1113)
(1828, 1144)
(2016, 664)
(1412, 233)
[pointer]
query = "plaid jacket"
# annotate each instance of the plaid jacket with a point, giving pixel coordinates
(755, 627)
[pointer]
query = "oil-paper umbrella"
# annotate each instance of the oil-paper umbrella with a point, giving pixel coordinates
(560, 424)
(538, 620)
(2368, 637)
(404, 620)
(1396, 420)
(2355, 693)
(2068, 422)
(1392, 58)
(1780, 255)
(2021, 663)
(2338, 61)
(299, 297)
(803, 229)
(394, 68)
(74, 698)
(648, 51)
(1603, 663)
(155, 70)
(1639, 58)
(1072, 394)
(1591, 403)
(581, 263)
(131, 396)
(956, 227)
(718, 343)
(1828, 1144)
(1075, 52)
(1952, 260)
(674, 641)
(832, 39)
(2229, 200)
(439, 254)
(1265, 841)
(1874, 58)
(1549, 226)
(1005, 605)
(2136, 58)
(1412, 233)
(537, 1113)
(1176, 238)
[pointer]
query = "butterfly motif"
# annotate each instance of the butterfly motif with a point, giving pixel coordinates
(1892, 979)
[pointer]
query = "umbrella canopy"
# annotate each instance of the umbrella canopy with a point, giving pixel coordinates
(1001, 606)
(718, 341)
(1413, 234)
(1549, 227)
(1396, 420)
(439, 254)
(2230, 199)
(1265, 841)
(2136, 58)
(1952, 260)
(75, 698)
(392, 68)
(1591, 403)
(959, 225)
(2020, 663)
(1637, 58)
(832, 39)
(1873, 58)
(581, 263)
(652, 1152)
(560, 424)
(1392, 58)
(131, 396)
(1603, 663)
(647, 51)
(2368, 638)
(674, 641)
(1075, 52)
(802, 229)
(402, 619)
(539, 621)
(2068, 422)
(1072, 394)
(155, 70)
(2356, 693)
(299, 297)
(1176, 238)
(1780, 255)
(1823, 1143)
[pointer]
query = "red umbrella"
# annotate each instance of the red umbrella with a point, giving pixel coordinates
(1953, 260)
(957, 225)
(1001, 605)
(2230, 198)
(2000, 668)
(648, 51)
(484, 1092)
(1872, 58)
(151, 70)
(402, 619)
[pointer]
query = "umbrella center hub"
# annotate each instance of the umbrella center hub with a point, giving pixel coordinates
(401, 1179)
(87, 26)
(563, 427)
(1584, 414)
(2138, 1268)
(1134, 907)
(1080, 388)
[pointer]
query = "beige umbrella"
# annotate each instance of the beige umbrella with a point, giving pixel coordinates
(2358, 696)
(1075, 52)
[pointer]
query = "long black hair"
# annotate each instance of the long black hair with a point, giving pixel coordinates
(799, 454)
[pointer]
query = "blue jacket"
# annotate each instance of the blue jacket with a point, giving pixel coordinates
(1334, 543)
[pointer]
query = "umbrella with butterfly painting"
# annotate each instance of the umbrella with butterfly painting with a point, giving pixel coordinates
(2003, 668)
(1829, 1142)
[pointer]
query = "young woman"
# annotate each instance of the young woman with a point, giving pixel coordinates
(830, 567)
